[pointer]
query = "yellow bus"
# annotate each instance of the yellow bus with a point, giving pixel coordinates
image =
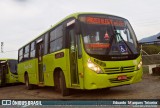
(83, 51)
(8, 71)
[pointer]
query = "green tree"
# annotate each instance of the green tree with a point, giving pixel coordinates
(151, 49)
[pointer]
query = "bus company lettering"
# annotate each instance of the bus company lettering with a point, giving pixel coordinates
(28, 66)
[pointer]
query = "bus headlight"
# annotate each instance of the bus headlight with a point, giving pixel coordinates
(139, 65)
(94, 67)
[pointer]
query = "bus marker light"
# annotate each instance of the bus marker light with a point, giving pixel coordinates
(81, 75)
(71, 22)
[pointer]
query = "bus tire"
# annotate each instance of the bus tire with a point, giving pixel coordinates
(56, 81)
(64, 90)
(28, 85)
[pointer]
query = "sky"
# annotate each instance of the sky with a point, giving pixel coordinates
(23, 20)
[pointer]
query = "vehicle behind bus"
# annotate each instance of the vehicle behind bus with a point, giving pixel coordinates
(83, 51)
(8, 71)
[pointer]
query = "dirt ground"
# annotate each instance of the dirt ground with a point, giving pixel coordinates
(148, 88)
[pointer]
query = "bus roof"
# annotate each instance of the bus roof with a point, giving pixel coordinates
(5, 59)
(75, 15)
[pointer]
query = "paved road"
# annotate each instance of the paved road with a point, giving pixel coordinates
(148, 88)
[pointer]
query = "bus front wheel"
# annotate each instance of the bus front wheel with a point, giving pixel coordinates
(28, 85)
(60, 84)
(64, 89)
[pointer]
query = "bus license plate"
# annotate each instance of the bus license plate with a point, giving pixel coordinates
(122, 77)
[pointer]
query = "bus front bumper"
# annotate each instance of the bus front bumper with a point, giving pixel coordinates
(98, 81)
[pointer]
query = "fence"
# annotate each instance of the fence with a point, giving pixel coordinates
(150, 62)
(151, 59)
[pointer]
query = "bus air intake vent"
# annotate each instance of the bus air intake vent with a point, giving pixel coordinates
(119, 70)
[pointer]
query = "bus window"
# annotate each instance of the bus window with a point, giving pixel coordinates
(112, 37)
(56, 39)
(79, 46)
(32, 52)
(46, 39)
(20, 55)
(26, 52)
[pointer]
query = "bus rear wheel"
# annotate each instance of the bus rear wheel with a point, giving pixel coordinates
(28, 85)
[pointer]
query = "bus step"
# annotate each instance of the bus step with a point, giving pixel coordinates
(76, 85)
(41, 84)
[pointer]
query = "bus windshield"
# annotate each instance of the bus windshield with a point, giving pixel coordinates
(13, 66)
(112, 36)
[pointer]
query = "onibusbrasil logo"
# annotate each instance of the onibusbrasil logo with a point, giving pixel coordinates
(21, 102)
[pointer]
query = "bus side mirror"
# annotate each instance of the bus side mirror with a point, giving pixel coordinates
(77, 27)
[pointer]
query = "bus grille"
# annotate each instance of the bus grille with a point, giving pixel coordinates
(115, 80)
(119, 70)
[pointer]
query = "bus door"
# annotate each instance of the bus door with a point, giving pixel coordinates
(73, 56)
(4, 71)
(39, 55)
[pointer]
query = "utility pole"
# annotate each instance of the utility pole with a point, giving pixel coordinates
(2, 44)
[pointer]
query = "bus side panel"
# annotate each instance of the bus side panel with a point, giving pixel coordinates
(64, 64)
(48, 66)
(81, 73)
(20, 73)
(12, 78)
(7, 76)
(50, 62)
(31, 67)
